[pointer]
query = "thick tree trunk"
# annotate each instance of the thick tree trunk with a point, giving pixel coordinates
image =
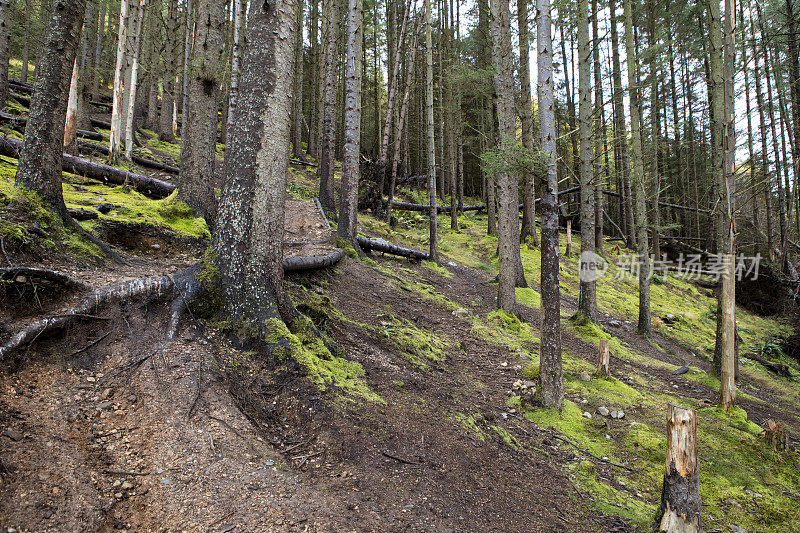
(430, 131)
(599, 132)
(587, 299)
(39, 167)
(199, 143)
(655, 127)
(236, 66)
(188, 33)
(551, 382)
(526, 116)
(511, 273)
(348, 209)
(327, 142)
(248, 236)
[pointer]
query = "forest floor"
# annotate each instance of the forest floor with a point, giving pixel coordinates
(419, 424)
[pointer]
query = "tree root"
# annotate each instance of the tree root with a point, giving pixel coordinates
(13, 275)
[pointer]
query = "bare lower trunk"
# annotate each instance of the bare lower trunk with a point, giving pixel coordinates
(115, 138)
(196, 180)
(39, 167)
(5, 49)
(132, 87)
(526, 115)
(551, 381)
(297, 111)
(71, 122)
(327, 142)
(165, 132)
(430, 130)
(248, 236)
(348, 209)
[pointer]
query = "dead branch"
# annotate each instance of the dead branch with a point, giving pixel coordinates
(23, 274)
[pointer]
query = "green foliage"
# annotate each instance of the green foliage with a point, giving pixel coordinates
(511, 157)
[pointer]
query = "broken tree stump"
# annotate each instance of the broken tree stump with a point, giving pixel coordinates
(680, 495)
(568, 250)
(603, 359)
(776, 435)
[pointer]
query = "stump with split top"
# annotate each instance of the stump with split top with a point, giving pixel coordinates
(680, 496)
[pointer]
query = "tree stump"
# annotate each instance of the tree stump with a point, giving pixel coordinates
(568, 251)
(603, 359)
(680, 496)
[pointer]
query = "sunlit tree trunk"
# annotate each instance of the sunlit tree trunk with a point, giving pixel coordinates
(248, 237)
(115, 138)
(133, 83)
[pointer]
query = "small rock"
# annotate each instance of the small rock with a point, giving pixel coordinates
(451, 263)
(102, 406)
(43, 476)
(618, 415)
(682, 370)
(517, 384)
(603, 410)
(16, 436)
(615, 323)
(155, 246)
(587, 414)
(528, 384)
(737, 529)
(116, 483)
(91, 379)
(166, 481)
(105, 394)
(585, 376)
(127, 485)
(504, 364)
(118, 495)
(461, 312)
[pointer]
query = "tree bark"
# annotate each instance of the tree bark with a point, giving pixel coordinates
(165, 131)
(348, 208)
(130, 101)
(430, 130)
(71, 122)
(199, 143)
(526, 117)
(599, 132)
(248, 236)
(680, 497)
(551, 382)
(5, 49)
(115, 138)
(327, 142)
(297, 111)
(638, 178)
(39, 167)
(587, 299)
(188, 33)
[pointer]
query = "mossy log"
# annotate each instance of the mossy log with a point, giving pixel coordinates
(300, 264)
(405, 206)
(150, 187)
(139, 160)
(389, 248)
(680, 496)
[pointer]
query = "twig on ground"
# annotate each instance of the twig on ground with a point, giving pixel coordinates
(76, 352)
(197, 394)
(612, 463)
(124, 473)
(399, 459)
(3, 247)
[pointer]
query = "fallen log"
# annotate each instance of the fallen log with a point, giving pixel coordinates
(150, 187)
(18, 123)
(24, 100)
(82, 214)
(300, 264)
(139, 160)
(97, 123)
(777, 368)
(405, 206)
(301, 162)
(379, 245)
(101, 104)
(20, 85)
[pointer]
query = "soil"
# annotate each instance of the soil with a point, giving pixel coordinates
(108, 427)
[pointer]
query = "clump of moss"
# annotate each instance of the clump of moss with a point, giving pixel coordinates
(305, 346)
(418, 345)
(172, 209)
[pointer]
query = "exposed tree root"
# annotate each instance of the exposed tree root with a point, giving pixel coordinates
(13, 274)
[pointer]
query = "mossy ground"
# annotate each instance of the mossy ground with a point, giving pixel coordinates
(743, 481)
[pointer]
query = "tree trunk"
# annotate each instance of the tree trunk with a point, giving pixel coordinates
(133, 83)
(165, 132)
(680, 497)
(84, 90)
(199, 143)
(621, 134)
(511, 273)
(526, 116)
(348, 208)
(71, 122)
(26, 46)
(39, 167)
(587, 300)
(551, 382)
(236, 67)
(5, 49)
(430, 129)
(248, 236)
(297, 112)
(98, 50)
(638, 178)
(115, 138)
(188, 33)
(327, 142)
(655, 126)
(599, 132)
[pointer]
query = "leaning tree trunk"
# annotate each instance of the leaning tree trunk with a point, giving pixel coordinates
(348, 209)
(508, 211)
(327, 141)
(39, 167)
(248, 237)
(587, 299)
(637, 176)
(551, 382)
(196, 180)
